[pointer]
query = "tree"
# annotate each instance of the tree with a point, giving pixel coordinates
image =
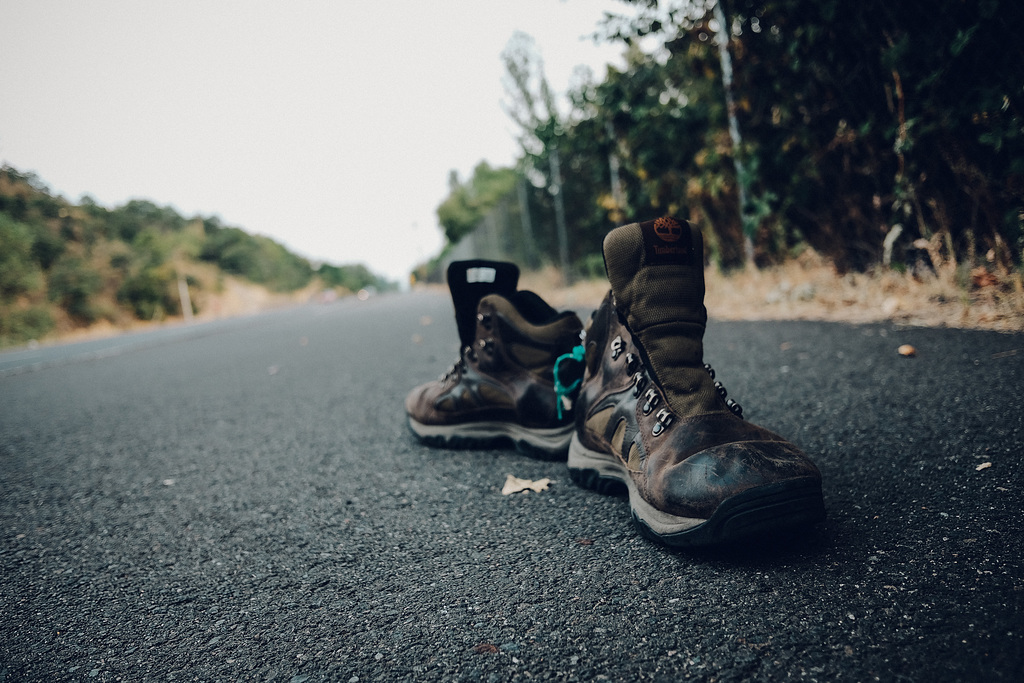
(467, 203)
(861, 116)
(72, 284)
(19, 273)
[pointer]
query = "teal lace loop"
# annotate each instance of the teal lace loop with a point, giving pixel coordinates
(563, 392)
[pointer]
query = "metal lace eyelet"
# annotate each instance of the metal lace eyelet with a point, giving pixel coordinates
(484, 319)
(639, 381)
(710, 370)
(734, 407)
(665, 419)
(631, 362)
(651, 400)
(486, 345)
(617, 346)
(721, 390)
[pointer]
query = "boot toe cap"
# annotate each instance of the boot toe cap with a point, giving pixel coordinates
(420, 403)
(696, 486)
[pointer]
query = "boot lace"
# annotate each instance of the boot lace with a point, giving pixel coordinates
(459, 366)
(565, 394)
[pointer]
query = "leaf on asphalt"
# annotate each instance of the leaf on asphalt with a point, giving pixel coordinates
(983, 466)
(516, 485)
(907, 350)
(485, 649)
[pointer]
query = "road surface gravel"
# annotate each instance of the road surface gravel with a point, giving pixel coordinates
(244, 502)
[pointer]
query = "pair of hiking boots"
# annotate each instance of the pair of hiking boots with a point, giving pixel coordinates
(630, 397)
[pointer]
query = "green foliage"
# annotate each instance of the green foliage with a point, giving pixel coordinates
(18, 271)
(852, 117)
(47, 245)
(353, 277)
(257, 258)
(137, 215)
(62, 264)
(469, 202)
(151, 293)
(72, 284)
(22, 324)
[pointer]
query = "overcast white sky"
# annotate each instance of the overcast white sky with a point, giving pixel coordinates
(329, 126)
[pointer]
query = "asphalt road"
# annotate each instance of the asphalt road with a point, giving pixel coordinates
(244, 502)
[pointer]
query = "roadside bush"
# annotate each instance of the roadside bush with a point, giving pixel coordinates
(259, 259)
(18, 271)
(47, 246)
(73, 282)
(22, 325)
(151, 293)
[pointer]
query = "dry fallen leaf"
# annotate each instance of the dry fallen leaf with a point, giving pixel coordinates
(907, 350)
(983, 466)
(485, 649)
(515, 485)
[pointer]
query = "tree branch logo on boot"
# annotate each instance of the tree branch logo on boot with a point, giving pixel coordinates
(667, 241)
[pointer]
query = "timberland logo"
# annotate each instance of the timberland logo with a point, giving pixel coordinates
(668, 230)
(667, 241)
(668, 251)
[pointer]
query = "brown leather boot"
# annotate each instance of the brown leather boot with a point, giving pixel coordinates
(650, 415)
(501, 390)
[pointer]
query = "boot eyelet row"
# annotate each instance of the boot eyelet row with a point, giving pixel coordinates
(735, 407)
(484, 319)
(721, 390)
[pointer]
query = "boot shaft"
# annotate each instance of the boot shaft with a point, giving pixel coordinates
(656, 271)
(469, 281)
(523, 334)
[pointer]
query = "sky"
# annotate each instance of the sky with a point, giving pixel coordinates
(331, 127)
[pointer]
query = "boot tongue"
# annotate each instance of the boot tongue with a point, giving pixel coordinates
(470, 281)
(656, 270)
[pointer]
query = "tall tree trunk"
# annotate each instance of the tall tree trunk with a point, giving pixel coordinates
(734, 133)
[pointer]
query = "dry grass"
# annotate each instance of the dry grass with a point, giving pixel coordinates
(219, 296)
(808, 288)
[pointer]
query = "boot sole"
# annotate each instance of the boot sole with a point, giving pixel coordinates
(762, 510)
(545, 444)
